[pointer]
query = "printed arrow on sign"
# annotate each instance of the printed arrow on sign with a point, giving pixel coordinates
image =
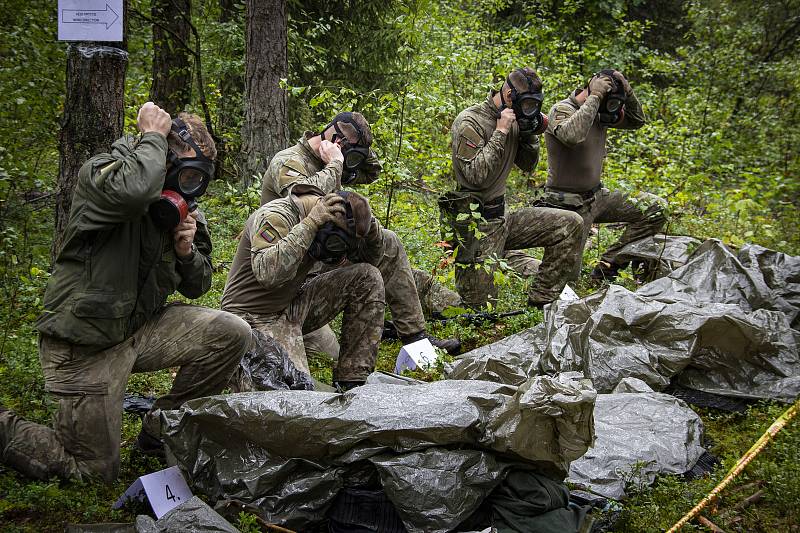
(105, 16)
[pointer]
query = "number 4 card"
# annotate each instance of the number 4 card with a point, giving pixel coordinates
(164, 490)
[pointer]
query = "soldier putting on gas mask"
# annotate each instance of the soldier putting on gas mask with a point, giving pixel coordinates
(488, 139)
(340, 155)
(268, 284)
(576, 149)
(132, 239)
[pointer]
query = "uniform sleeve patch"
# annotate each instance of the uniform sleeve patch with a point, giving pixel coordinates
(469, 143)
(290, 171)
(268, 230)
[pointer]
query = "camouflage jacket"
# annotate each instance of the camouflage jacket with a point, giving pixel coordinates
(300, 164)
(483, 156)
(116, 268)
(272, 261)
(576, 141)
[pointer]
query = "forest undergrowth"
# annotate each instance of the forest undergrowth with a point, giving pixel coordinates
(717, 79)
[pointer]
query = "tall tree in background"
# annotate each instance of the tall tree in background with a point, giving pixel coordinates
(172, 72)
(265, 129)
(93, 115)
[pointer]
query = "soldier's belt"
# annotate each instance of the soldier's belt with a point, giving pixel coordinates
(552, 197)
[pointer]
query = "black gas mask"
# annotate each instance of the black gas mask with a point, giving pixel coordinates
(332, 243)
(526, 103)
(354, 154)
(612, 108)
(187, 179)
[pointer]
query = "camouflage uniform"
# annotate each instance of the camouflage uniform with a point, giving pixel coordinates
(482, 159)
(104, 319)
(268, 285)
(300, 167)
(576, 148)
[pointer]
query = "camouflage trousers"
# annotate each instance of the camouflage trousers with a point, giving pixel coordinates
(557, 230)
(644, 214)
(89, 388)
(402, 298)
(433, 296)
(357, 290)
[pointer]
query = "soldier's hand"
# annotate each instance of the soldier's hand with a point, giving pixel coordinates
(184, 235)
(153, 118)
(625, 83)
(329, 151)
(600, 85)
(329, 208)
(507, 118)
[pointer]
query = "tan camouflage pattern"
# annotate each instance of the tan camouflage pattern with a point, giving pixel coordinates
(483, 156)
(644, 214)
(557, 230)
(433, 296)
(88, 389)
(357, 291)
(301, 165)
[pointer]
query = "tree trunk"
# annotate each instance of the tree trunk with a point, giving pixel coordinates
(172, 72)
(265, 130)
(92, 121)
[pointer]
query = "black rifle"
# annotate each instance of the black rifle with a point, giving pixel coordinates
(476, 319)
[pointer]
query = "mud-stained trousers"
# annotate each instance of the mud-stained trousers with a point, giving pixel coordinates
(357, 290)
(643, 213)
(89, 388)
(557, 230)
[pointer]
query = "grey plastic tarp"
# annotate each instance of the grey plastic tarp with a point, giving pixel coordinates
(267, 366)
(720, 324)
(639, 435)
(661, 253)
(192, 516)
(437, 449)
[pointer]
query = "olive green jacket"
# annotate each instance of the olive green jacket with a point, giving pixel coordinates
(116, 268)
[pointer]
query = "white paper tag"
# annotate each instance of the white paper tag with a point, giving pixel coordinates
(568, 294)
(90, 20)
(164, 490)
(415, 355)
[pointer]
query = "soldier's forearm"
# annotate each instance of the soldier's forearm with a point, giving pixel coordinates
(634, 115)
(573, 130)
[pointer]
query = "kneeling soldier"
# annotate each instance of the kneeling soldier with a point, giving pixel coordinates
(268, 284)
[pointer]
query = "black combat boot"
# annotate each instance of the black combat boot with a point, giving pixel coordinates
(605, 271)
(451, 346)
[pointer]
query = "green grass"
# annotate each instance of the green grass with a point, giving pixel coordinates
(47, 506)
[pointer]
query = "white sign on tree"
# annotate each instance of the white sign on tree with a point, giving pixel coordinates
(90, 20)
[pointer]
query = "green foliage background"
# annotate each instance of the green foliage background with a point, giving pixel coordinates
(717, 79)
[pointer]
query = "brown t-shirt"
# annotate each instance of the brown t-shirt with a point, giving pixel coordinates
(576, 142)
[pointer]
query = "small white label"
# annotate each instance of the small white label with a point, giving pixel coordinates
(567, 295)
(90, 20)
(164, 490)
(415, 355)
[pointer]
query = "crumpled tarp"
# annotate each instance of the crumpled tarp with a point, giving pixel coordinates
(754, 278)
(660, 253)
(511, 360)
(267, 366)
(719, 324)
(437, 449)
(639, 435)
(192, 516)
(716, 347)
